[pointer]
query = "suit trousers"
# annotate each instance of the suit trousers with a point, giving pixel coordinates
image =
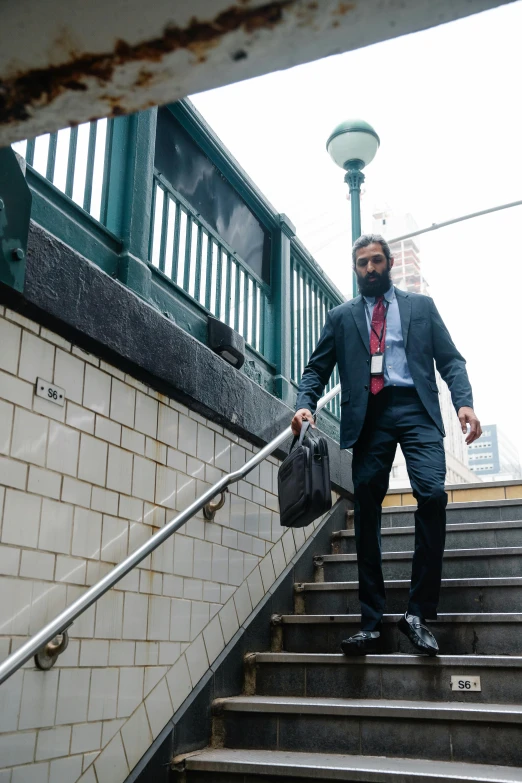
(396, 416)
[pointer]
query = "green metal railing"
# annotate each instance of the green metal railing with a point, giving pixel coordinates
(311, 299)
(76, 161)
(186, 249)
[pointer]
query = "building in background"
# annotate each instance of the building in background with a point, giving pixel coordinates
(494, 456)
(407, 275)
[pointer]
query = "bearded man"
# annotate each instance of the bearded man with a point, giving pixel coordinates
(386, 343)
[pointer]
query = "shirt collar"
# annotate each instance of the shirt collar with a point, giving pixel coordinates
(389, 296)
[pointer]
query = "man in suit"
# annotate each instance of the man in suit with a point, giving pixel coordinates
(385, 343)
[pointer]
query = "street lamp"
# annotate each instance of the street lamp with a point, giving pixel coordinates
(352, 145)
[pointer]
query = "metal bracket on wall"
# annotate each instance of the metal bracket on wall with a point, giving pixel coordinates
(48, 655)
(209, 511)
(15, 214)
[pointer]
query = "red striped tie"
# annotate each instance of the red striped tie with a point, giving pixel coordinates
(378, 324)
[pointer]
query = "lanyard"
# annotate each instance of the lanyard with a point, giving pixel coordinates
(379, 337)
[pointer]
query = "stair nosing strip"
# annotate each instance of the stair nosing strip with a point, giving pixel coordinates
(478, 581)
(448, 553)
(454, 527)
(393, 659)
(464, 505)
(443, 617)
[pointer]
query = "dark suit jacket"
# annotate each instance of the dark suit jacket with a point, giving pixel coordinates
(345, 341)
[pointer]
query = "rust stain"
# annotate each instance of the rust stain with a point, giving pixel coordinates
(42, 86)
(344, 8)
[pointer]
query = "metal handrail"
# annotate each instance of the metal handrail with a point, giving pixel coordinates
(67, 617)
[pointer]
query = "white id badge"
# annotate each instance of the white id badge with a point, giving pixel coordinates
(377, 364)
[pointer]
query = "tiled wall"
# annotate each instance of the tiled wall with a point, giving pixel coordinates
(81, 486)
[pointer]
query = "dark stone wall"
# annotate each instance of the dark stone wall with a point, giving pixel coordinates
(75, 298)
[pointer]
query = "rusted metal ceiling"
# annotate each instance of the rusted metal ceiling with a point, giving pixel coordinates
(63, 62)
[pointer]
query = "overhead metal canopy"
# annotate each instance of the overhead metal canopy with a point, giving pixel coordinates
(63, 62)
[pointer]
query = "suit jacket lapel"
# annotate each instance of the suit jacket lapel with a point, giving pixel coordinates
(357, 308)
(404, 303)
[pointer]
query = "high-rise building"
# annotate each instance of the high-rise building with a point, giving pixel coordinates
(494, 455)
(407, 275)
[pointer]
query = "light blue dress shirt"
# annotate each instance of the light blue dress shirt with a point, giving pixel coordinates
(396, 370)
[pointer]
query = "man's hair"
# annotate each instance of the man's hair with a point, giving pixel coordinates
(368, 239)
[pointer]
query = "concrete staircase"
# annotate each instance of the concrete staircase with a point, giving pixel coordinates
(308, 712)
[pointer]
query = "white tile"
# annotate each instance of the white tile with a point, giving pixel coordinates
(259, 547)
(11, 315)
(6, 425)
(56, 526)
(173, 586)
(114, 539)
(180, 620)
(195, 528)
(104, 500)
(267, 572)
(244, 542)
(211, 591)
(187, 435)
(186, 491)
(166, 483)
(36, 773)
(110, 727)
(14, 390)
(235, 567)
(112, 370)
(135, 616)
(44, 482)
(121, 653)
(103, 694)
(213, 637)
(68, 374)
(109, 615)
(195, 468)
(177, 460)
(237, 512)
(111, 765)
(219, 563)
(13, 473)
(159, 618)
(143, 478)
(53, 743)
(278, 558)
(265, 476)
(119, 470)
(193, 589)
(17, 748)
(62, 452)
(49, 409)
(86, 737)
(153, 675)
(88, 759)
(244, 490)
(97, 390)
(227, 591)
(136, 384)
(288, 545)
(147, 653)
(159, 707)
(10, 698)
(38, 699)
(94, 652)
(106, 429)
(299, 537)
(265, 524)
(55, 339)
(9, 560)
(205, 444)
(76, 492)
(154, 515)
(130, 691)
(10, 338)
(183, 555)
(213, 532)
(21, 518)
(85, 356)
(250, 563)
(212, 474)
(80, 418)
(168, 426)
(197, 659)
(123, 401)
(66, 770)
(155, 450)
(29, 437)
(92, 465)
(222, 453)
(242, 603)
(199, 617)
(38, 565)
(36, 359)
(86, 538)
(179, 682)
(228, 619)
(147, 415)
(130, 508)
(136, 736)
(48, 600)
(251, 518)
(133, 441)
(169, 652)
(70, 569)
(84, 625)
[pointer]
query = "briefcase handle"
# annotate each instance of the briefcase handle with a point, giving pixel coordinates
(304, 427)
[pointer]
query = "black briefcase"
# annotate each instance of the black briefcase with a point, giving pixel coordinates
(304, 480)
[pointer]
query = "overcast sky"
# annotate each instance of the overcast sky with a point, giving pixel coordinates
(446, 105)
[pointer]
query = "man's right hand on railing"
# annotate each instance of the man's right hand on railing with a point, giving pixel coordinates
(303, 414)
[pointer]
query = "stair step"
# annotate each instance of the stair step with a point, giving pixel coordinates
(481, 633)
(265, 766)
(447, 731)
(458, 536)
(499, 594)
(484, 562)
(474, 511)
(386, 676)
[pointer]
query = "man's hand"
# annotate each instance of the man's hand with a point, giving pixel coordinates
(467, 416)
(303, 414)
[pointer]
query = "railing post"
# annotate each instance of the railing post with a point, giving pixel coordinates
(282, 334)
(130, 195)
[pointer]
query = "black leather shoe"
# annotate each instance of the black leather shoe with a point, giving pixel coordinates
(362, 643)
(418, 634)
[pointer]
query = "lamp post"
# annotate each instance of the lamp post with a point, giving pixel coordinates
(352, 145)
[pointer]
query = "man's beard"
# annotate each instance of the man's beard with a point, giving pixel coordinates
(376, 287)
